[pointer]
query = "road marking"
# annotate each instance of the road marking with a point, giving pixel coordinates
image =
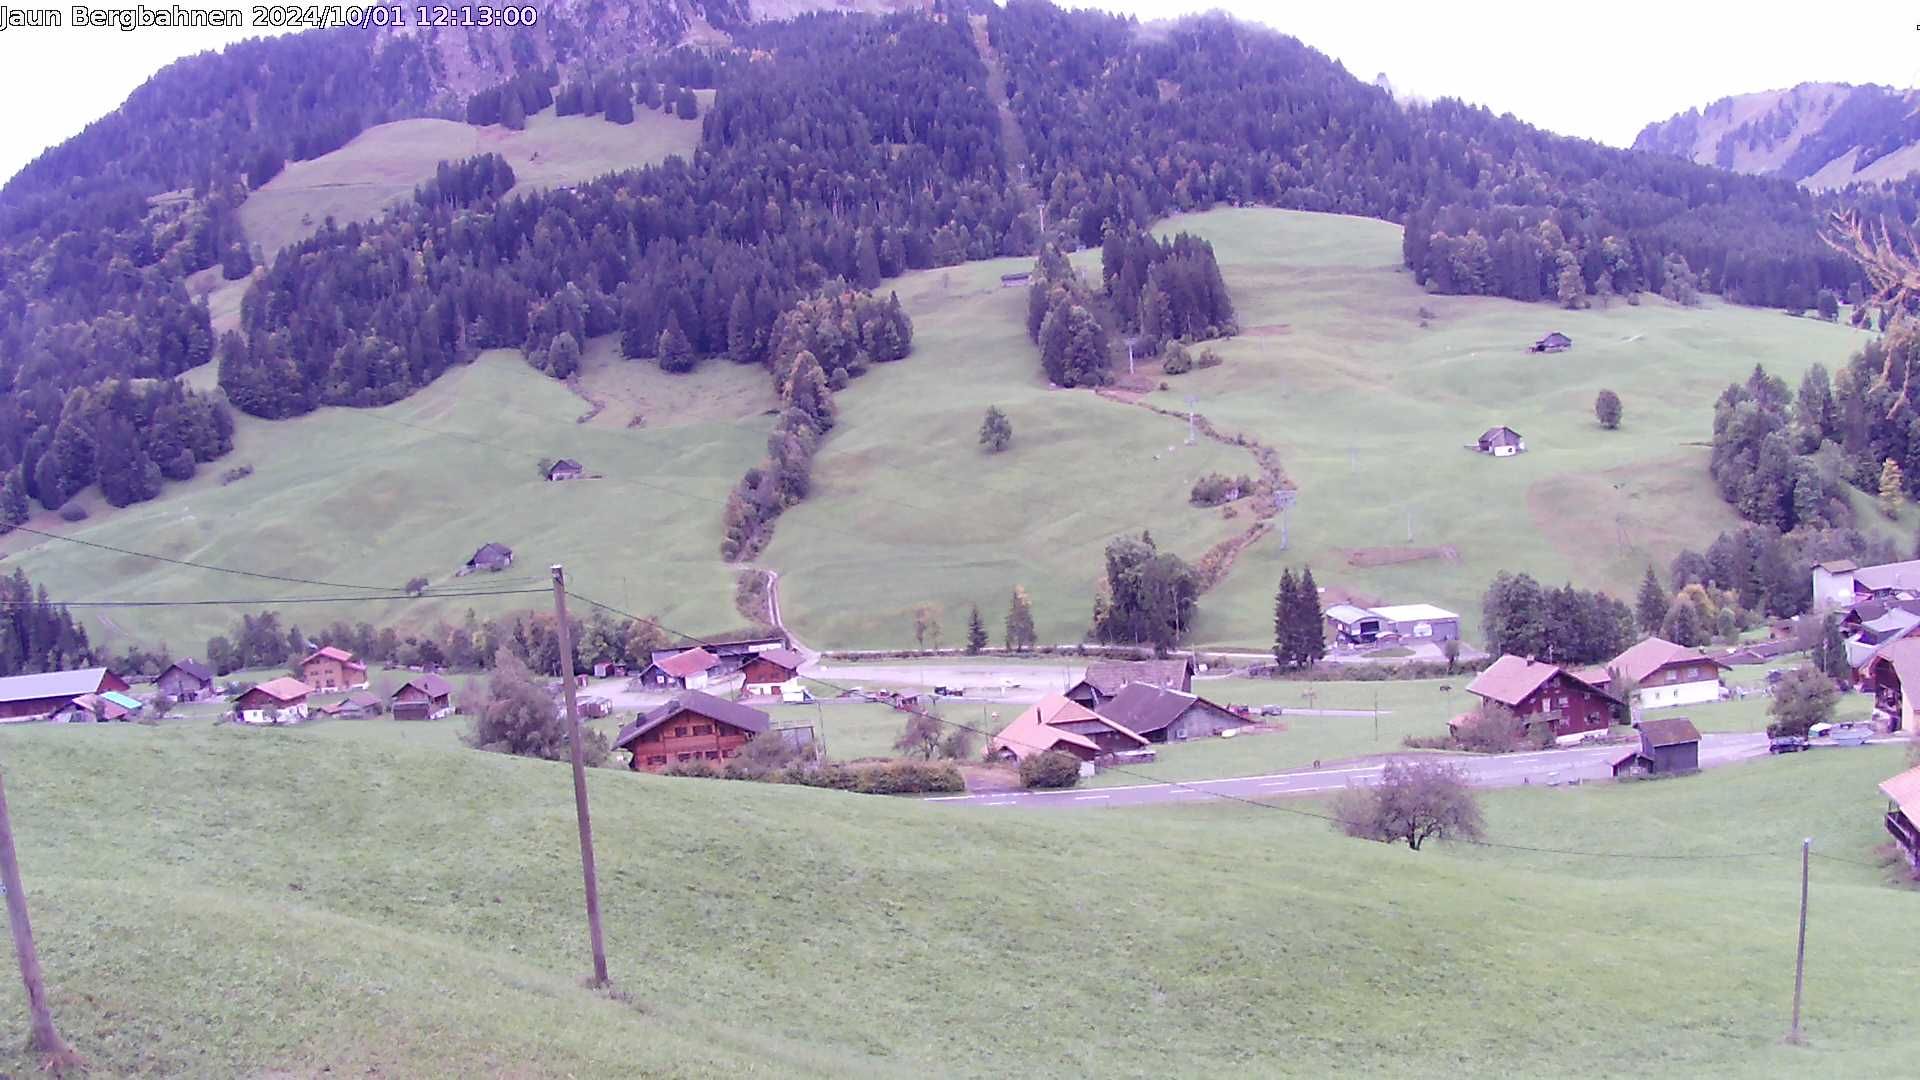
(1083, 798)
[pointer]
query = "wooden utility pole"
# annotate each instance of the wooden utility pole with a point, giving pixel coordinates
(1794, 1034)
(45, 1038)
(580, 813)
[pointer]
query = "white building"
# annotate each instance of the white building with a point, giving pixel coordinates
(1666, 675)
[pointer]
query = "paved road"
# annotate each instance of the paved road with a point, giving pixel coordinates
(1504, 770)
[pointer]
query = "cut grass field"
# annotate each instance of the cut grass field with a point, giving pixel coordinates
(383, 165)
(314, 900)
(377, 496)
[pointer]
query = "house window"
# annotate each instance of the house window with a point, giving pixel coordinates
(703, 729)
(713, 755)
(682, 757)
(680, 733)
(657, 759)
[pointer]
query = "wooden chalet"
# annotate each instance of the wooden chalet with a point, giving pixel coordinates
(38, 697)
(1668, 746)
(186, 680)
(1664, 673)
(1500, 441)
(1903, 814)
(1105, 678)
(1893, 674)
(692, 726)
(422, 697)
(278, 701)
(771, 673)
(1161, 715)
(1057, 723)
(491, 557)
(1545, 694)
(328, 669)
(1554, 342)
(565, 469)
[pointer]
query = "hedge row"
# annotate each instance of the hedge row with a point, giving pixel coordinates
(882, 778)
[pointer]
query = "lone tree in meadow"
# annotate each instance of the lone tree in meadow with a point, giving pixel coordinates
(976, 632)
(996, 431)
(1414, 802)
(1803, 697)
(926, 624)
(1606, 409)
(514, 715)
(922, 737)
(1020, 632)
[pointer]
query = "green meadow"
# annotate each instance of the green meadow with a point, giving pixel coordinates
(361, 897)
(1370, 412)
(383, 165)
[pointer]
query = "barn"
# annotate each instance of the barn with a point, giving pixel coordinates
(37, 697)
(278, 701)
(423, 697)
(186, 680)
(1554, 342)
(1668, 747)
(1162, 715)
(1500, 441)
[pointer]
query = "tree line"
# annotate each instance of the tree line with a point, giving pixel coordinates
(37, 635)
(816, 346)
(1166, 290)
(1561, 626)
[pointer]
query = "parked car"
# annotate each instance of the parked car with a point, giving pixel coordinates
(1787, 744)
(1845, 733)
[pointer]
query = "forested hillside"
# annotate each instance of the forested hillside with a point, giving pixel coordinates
(850, 147)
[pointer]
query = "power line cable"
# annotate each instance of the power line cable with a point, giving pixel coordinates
(267, 601)
(200, 565)
(1226, 796)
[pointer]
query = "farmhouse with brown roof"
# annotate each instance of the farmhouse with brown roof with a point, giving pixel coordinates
(692, 669)
(278, 701)
(692, 726)
(565, 469)
(1056, 723)
(328, 668)
(186, 680)
(1500, 441)
(1545, 694)
(1666, 674)
(771, 673)
(1903, 814)
(423, 697)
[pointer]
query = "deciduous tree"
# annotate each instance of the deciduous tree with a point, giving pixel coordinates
(1412, 803)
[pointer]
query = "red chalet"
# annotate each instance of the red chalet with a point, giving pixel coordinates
(691, 727)
(1545, 694)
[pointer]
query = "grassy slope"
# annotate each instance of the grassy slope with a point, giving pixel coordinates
(908, 508)
(384, 163)
(214, 901)
(1370, 411)
(359, 496)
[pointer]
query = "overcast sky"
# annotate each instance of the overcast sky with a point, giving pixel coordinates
(1600, 72)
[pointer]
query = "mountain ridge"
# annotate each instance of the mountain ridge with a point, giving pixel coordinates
(1821, 135)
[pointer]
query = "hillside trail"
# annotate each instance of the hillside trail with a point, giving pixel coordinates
(1214, 566)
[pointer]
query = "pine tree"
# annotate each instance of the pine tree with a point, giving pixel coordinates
(13, 500)
(617, 100)
(1310, 621)
(674, 350)
(1286, 601)
(1606, 409)
(866, 261)
(996, 431)
(1020, 631)
(741, 339)
(976, 632)
(1651, 607)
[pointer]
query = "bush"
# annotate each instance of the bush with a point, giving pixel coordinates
(1430, 742)
(238, 472)
(1492, 730)
(1414, 802)
(416, 586)
(908, 778)
(1216, 488)
(1208, 358)
(1178, 361)
(1052, 769)
(73, 512)
(699, 768)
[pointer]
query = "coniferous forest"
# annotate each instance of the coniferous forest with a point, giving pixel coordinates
(844, 148)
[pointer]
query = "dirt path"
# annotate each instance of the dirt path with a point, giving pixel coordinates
(1012, 140)
(1219, 559)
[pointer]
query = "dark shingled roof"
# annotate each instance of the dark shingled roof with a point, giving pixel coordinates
(1670, 731)
(1109, 676)
(433, 685)
(1147, 709)
(693, 701)
(193, 668)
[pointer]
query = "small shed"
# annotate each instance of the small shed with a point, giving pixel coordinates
(565, 469)
(1668, 747)
(355, 706)
(423, 697)
(492, 557)
(1009, 281)
(1554, 342)
(1500, 441)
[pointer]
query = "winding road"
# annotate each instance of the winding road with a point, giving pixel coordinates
(1541, 767)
